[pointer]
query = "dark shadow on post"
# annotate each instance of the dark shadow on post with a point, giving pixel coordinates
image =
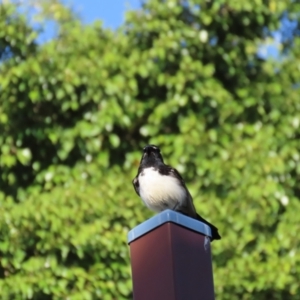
(171, 259)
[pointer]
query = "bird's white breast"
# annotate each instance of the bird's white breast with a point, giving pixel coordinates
(160, 192)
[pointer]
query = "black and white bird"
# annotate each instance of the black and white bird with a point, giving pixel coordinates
(161, 187)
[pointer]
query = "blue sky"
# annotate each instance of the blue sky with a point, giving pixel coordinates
(111, 12)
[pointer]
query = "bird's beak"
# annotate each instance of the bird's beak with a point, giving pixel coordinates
(146, 153)
(147, 150)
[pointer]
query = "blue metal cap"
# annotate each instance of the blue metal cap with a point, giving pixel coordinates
(165, 217)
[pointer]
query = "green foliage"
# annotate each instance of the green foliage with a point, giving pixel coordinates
(185, 75)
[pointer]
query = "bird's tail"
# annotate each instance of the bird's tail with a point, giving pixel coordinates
(214, 230)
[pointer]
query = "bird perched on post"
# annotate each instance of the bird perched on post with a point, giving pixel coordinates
(161, 187)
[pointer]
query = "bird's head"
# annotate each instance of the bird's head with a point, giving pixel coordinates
(151, 156)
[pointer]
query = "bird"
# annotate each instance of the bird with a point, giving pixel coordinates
(161, 187)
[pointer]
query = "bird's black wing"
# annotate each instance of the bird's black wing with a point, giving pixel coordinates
(214, 230)
(167, 170)
(136, 185)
